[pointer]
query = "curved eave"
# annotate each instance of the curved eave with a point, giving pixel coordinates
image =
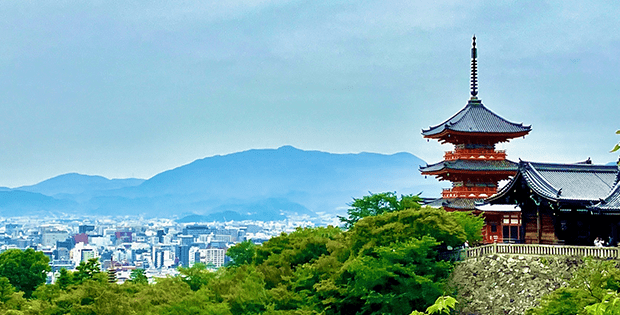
(460, 204)
(504, 190)
(461, 171)
(611, 203)
(476, 118)
(449, 133)
(538, 183)
(471, 166)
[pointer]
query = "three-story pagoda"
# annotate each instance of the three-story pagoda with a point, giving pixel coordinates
(475, 166)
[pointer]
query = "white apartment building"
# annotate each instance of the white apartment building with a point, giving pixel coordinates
(212, 255)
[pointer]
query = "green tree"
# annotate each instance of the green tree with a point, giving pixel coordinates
(158, 297)
(242, 289)
(472, 224)
(389, 263)
(393, 279)
(278, 258)
(25, 269)
(403, 225)
(196, 276)
(65, 278)
(89, 270)
(138, 276)
(242, 253)
(376, 204)
(6, 290)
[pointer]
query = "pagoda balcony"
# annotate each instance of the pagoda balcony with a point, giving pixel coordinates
(475, 154)
(469, 192)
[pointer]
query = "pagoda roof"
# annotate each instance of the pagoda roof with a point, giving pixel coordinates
(475, 118)
(471, 165)
(564, 182)
(612, 201)
(461, 203)
(454, 203)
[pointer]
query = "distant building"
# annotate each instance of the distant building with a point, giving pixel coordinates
(197, 230)
(183, 249)
(158, 257)
(160, 236)
(213, 256)
(67, 243)
(12, 229)
(49, 238)
(62, 254)
(82, 252)
(83, 229)
(87, 253)
(81, 238)
(222, 238)
(99, 240)
(123, 237)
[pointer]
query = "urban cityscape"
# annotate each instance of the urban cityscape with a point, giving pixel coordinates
(158, 246)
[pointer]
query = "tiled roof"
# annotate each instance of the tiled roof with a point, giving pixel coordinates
(476, 118)
(435, 203)
(565, 182)
(612, 201)
(471, 165)
(461, 203)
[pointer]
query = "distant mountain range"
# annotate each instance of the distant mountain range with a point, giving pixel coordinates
(262, 184)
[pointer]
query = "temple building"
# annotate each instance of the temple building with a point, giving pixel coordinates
(565, 203)
(475, 166)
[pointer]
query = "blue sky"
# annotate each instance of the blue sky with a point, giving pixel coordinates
(130, 89)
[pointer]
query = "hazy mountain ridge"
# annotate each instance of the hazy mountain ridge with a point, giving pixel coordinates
(74, 184)
(259, 183)
(18, 203)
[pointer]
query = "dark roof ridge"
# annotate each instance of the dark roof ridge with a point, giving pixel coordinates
(449, 120)
(463, 164)
(536, 180)
(468, 111)
(611, 201)
(505, 189)
(547, 180)
(575, 167)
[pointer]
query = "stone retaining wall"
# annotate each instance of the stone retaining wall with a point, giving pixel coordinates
(508, 284)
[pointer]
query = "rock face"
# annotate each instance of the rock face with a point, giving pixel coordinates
(507, 284)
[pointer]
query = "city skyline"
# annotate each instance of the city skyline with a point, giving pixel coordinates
(131, 90)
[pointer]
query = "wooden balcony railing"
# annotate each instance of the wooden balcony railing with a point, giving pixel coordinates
(468, 192)
(475, 154)
(543, 250)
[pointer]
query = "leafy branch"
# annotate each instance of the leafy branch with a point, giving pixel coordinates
(617, 147)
